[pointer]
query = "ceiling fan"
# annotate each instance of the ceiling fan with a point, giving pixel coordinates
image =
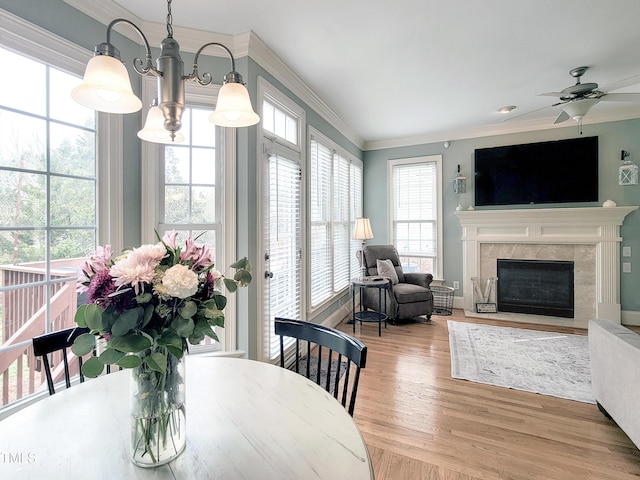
(579, 98)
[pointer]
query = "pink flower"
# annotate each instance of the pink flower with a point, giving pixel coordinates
(98, 261)
(198, 254)
(169, 239)
(138, 266)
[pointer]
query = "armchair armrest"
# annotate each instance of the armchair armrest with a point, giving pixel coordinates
(422, 279)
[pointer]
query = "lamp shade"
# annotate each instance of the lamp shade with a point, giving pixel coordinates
(106, 87)
(234, 107)
(362, 229)
(154, 131)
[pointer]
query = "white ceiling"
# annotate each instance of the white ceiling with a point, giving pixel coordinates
(433, 69)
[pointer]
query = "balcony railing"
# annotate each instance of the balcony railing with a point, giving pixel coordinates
(31, 306)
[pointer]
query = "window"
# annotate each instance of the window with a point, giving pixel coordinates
(185, 189)
(416, 213)
(335, 201)
(48, 211)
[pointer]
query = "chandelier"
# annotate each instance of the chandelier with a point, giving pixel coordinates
(106, 87)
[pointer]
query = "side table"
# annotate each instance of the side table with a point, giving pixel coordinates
(382, 284)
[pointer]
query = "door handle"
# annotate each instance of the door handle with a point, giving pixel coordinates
(268, 274)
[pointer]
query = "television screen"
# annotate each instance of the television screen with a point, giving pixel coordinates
(561, 171)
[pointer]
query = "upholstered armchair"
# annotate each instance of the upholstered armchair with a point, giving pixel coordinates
(410, 297)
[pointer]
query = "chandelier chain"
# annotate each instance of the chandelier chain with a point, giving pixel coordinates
(169, 20)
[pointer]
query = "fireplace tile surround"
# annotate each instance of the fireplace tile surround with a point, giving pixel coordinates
(588, 236)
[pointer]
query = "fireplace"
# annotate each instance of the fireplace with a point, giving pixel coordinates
(588, 236)
(536, 287)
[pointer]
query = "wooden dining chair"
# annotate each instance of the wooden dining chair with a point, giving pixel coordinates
(345, 355)
(59, 341)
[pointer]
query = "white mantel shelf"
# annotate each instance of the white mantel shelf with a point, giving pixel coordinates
(599, 226)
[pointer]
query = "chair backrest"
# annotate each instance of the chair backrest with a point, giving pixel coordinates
(351, 356)
(373, 253)
(53, 342)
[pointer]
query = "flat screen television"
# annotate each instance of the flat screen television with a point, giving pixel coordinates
(561, 171)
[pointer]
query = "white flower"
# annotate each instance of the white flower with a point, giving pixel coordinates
(180, 281)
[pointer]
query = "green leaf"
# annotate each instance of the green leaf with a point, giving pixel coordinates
(92, 367)
(157, 362)
(220, 301)
(80, 316)
(110, 356)
(231, 285)
(203, 328)
(243, 263)
(93, 317)
(243, 277)
(170, 339)
(83, 344)
(130, 343)
(129, 361)
(148, 314)
(195, 340)
(182, 326)
(188, 310)
(127, 321)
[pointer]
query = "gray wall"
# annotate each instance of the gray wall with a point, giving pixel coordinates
(613, 137)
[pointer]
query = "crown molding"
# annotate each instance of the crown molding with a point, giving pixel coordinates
(242, 44)
(496, 129)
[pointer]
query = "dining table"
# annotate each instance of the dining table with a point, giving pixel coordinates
(245, 420)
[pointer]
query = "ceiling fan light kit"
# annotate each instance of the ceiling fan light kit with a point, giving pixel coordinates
(106, 86)
(578, 99)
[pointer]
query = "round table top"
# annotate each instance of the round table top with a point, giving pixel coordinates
(245, 420)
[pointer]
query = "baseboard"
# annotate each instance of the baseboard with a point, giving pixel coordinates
(630, 317)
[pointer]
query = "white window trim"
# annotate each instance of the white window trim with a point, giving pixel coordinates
(150, 193)
(266, 142)
(35, 42)
(337, 149)
(437, 159)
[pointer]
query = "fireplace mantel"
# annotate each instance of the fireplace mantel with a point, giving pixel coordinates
(598, 226)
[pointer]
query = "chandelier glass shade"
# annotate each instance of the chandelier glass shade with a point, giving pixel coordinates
(106, 87)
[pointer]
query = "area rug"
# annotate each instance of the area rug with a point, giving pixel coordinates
(547, 363)
(313, 370)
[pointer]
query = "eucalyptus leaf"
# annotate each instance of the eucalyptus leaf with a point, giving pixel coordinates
(243, 277)
(170, 339)
(220, 300)
(92, 368)
(83, 344)
(127, 321)
(80, 316)
(188, 310)
(231, 285)
(110, 356)
(243, 263)
(203, 328)
(182, 326)
(157, 361)
(148, 314)
(130, 343)
(129, 361)
(93, 317)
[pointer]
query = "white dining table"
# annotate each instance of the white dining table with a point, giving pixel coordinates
(245, 420)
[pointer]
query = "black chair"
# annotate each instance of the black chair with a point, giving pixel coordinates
(54, 342)
(349, 350)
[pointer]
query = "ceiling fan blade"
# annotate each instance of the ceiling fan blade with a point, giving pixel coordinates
(551, 94)
(532, 111)
(562, 117)
(627, 82)
(621, 97)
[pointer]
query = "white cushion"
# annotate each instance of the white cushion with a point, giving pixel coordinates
(387, 270)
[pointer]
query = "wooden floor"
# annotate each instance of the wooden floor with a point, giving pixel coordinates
(419, 423)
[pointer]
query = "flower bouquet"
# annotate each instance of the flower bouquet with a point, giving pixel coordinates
(147, 305)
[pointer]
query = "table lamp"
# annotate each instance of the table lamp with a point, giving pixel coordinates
(362, 231)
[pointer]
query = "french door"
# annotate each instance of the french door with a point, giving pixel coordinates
(282, 238)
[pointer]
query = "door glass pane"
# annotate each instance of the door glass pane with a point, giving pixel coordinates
(24, 140)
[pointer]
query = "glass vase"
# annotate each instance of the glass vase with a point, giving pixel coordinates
(158, 417)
